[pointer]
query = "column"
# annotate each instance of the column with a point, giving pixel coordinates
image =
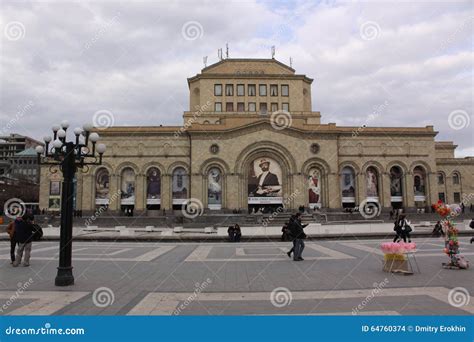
(334, 191)
(431, 189)
(409, 192)
(139, 194)
(384, 193)
(166, 193)
(361, 188)
(114, 195)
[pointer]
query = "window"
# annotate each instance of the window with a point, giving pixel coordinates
(252, 90)
(285, 91)
(285, 107)
(218, 107)
(240, 90)
(456, 179)
(252, 107)
(229, 90)
(440, 179)
(240, 107)
(441, 197)
(273, 90)
(457, 197)
(274, 107)
(262, 90)
(229, 107)
(218, 89)
(263, 108)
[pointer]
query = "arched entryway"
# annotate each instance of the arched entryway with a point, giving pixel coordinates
(153, 189)
(396, 187)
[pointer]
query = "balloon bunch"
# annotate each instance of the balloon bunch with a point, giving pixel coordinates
(451, 233)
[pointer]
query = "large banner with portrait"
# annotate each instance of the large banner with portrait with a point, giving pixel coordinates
(214, 189)
(128, 187)
(102, 187)
(348, 185)
(265, 182)
(314, 188)
(372, 188)
(180, 186)
(153, 186)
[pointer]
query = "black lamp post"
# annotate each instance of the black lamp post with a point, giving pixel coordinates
(69, 156)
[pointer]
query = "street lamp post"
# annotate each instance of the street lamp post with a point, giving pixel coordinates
(69, 156)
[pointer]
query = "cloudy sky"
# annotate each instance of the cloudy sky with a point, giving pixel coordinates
(410, 63)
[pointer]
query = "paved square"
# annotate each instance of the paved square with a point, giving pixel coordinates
(138, 278)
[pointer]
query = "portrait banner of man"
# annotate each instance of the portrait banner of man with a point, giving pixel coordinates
(264, 182)
(372, 183)
(153, 188)
(314, 188)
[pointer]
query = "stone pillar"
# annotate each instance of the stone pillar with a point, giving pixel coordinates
(88, 203)
(361, 188)
(166, 193)
(431, 189)
(140, 194)
(334, 191)
(196, 180)
(232, 192)
(384, 192)
(409, 194)
(114, 196)
(79, 191)
(298, 192)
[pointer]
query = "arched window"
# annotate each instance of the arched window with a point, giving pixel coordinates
(180, 186)
(102, 181)
(372, 182)
(419, 183)
(440, 179)
(214, 189)
(314, 188)
(456, 179)
(396, 187)
(153, 187)
(348, 186)
(128, 186)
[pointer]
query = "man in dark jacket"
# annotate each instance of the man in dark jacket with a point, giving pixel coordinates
(11, 233)
(24, 236)
(299, 235)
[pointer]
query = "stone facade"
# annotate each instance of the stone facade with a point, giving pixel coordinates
(225, 138)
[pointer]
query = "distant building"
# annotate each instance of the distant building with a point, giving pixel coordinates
(251, 140)
(11, 145)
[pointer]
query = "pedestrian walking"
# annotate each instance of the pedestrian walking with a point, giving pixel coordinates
(299, 235)
(11, 234)
(402, 229)
(24, 234)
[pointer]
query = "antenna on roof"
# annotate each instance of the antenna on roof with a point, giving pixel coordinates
(273, 52)
(226, 50)
(204, 60)
(219, 54)
(291, 62)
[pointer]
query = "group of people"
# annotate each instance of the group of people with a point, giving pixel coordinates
(22, 231)
(234, 232)
(402, 228)
(294, 231)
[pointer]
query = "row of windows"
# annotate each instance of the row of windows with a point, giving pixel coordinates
(251, 90)
(251, 107)
(456, 179)
(456, 197)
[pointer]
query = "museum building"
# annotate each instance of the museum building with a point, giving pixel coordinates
(251, 140)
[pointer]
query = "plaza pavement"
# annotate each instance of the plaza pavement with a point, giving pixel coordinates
(337, 277)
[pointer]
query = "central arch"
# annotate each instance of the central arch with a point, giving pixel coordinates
(271, 180)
